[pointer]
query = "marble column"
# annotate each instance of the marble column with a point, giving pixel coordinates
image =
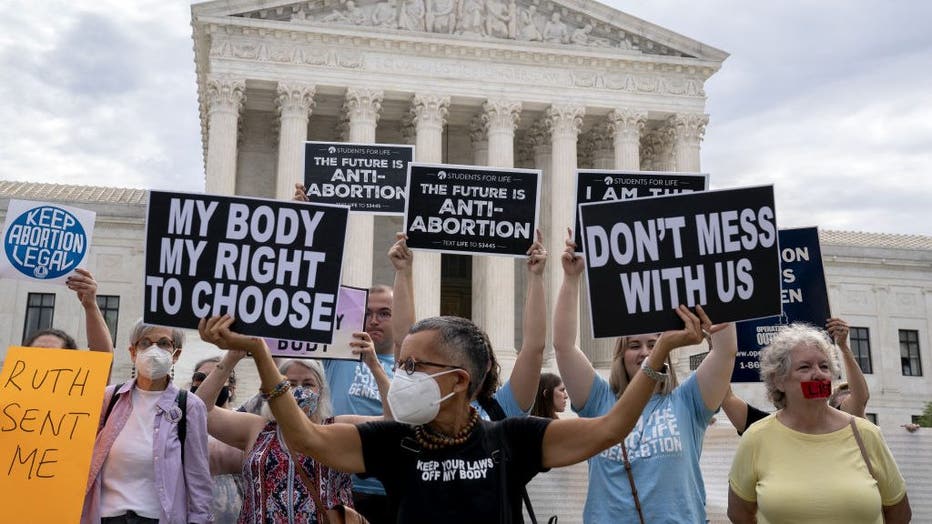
(621, 137)
(626, 126)
(688, 129)
(294, 103)
(226, 96)
(362, 107)
(429, 114)
(493, 278)
(564, 122)
(539, 138)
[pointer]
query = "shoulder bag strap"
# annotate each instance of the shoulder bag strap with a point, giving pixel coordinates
(857, 437)
(182, 401)
(497, 413)
(634, 489)
(113, 401)
(311, 489)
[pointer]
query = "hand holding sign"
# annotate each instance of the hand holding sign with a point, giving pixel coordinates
(300, 193)
(838, 330)
(364, 348)
(84, 285)
(216, 331)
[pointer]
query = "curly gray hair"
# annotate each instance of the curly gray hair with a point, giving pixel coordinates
(775, 358)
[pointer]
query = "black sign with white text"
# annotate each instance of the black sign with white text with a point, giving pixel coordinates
(718, 249)
(369, 178)
(472, 210)
(599, 185)
(804, 296)
(274, 265)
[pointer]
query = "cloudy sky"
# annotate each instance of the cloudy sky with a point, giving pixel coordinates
(830, 100)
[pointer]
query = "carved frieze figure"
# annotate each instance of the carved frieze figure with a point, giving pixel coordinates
(498, 18)
(352, 15)
(443, 15)
(385, 14)
(527, 25)
(580, 36)
(470, 19)
(413, 15)
(555, 30)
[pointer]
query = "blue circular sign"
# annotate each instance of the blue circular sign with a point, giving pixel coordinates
(45, 242)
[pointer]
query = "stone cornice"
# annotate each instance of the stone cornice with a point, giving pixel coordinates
(432, 44)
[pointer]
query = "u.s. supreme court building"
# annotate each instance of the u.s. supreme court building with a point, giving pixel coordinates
(540, 84)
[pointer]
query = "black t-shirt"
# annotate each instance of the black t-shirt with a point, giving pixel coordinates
(754, 415)
(459, 484)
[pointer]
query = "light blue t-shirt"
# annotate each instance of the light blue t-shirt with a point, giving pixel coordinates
(353, 391)
(506, 399)
(664, 449)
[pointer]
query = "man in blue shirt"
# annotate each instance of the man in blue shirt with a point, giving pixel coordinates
(354, 392)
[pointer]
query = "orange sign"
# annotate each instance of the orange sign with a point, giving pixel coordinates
(50, 401)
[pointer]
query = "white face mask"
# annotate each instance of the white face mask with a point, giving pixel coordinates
(153, 363)
(415, 399)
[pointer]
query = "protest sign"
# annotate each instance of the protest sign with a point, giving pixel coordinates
(274, 265)
(472, 210)
(599, 185)
(44, 242)
(804, 296)
(350, 318)
(51, 401)
(369, 178)
(717, 249)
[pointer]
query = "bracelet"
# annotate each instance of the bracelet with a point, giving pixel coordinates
(708, 338)
(658, 376)
(277, 391)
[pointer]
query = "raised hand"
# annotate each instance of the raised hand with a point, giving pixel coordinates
(573, 264)
(216, 331)
(300, 193)
(84, 285)
(838, 330)
(362, 345)
(693, 328)
(400, 256)
(537, 255)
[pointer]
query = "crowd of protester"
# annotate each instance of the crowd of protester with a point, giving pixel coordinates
(423, 429)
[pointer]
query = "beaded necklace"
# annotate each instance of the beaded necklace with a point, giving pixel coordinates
(432, 440)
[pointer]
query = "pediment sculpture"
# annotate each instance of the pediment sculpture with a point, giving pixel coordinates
(546, 21)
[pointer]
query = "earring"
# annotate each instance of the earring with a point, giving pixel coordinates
(172, 373)
(132, 373)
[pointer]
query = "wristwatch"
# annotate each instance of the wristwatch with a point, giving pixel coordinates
(659, 376)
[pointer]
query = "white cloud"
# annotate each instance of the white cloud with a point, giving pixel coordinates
(827, 100)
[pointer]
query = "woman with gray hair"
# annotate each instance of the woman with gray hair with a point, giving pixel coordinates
(444, 464)
(150, 456)
(810, 462)
(281, 484)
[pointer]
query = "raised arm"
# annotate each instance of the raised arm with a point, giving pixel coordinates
(736, 409)
(575, 369)
(855, 403)
(334, 445)
(714, 374)
(526, 374)
(568, 441)
(403, 289)
(85, 287)
(233, 428)
(362, 345)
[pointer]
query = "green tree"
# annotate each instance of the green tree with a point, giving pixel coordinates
(926, 419)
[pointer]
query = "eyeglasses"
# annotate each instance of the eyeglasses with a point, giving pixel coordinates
(409, 365)
(164, 343)
(382, 315)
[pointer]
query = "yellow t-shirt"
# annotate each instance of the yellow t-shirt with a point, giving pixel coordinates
(797, 477)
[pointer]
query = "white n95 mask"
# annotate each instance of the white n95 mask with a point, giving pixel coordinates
(415, 399)
(154, 363)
